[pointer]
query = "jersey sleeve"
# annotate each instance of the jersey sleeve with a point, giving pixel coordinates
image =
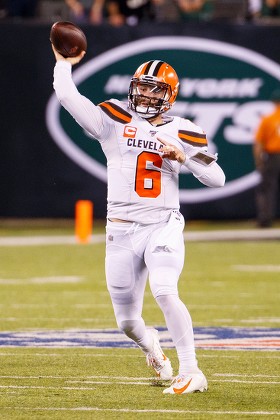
(199, 161)
(210, 174)
(86, 113)
(115, 112)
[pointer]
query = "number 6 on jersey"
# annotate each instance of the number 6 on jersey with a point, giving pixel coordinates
(147, 178)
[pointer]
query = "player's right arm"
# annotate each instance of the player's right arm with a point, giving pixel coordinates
(86, 113)
(201, 163)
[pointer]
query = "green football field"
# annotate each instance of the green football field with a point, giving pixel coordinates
(54, 306)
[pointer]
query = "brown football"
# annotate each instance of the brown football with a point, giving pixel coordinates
(68, 39)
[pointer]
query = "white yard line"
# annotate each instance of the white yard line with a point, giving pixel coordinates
(264, 268)
(46, 240)
(217, 235)
(129, 410)
(88, 379)
(42, 280)
(118, 356)
(244, 375)
(117, 381)
(124, 356)
(233, 235)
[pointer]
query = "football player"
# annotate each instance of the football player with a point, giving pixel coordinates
(145, 149)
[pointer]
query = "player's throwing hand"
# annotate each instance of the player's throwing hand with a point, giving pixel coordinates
(171, 152)
(72, 60)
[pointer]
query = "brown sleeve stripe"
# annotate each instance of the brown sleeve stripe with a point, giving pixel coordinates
(115, 112)
(195, 139)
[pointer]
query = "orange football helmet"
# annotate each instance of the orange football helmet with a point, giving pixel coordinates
(153, 89)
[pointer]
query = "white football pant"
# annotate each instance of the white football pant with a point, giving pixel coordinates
(133, 252)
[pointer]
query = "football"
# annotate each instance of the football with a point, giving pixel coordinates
(68, 39)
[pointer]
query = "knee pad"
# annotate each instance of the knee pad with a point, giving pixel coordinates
(119, 271)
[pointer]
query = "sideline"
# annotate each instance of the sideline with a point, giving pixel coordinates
(216, 235)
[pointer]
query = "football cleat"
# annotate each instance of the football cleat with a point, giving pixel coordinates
(158, 361)
(195, 382)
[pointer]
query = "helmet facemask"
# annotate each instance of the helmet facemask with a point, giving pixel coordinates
(149, 97)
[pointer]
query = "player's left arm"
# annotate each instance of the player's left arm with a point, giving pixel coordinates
(201, 163)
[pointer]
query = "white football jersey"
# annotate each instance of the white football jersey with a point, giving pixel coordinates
(142, 187)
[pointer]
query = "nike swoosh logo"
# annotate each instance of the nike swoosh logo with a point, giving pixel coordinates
(181, 390)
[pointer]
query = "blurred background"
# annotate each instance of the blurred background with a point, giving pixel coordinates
(228, 60)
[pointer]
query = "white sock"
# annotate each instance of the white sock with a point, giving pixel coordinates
(137, 331)
(179, 325)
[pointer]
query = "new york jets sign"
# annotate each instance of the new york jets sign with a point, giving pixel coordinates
(223, 88)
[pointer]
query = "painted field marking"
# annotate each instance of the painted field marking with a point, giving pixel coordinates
(88, 320)
(144, 383)
(117, 378)
(129, 410)
(269, 268)
(244, 375)
(87, 388)
(113, 356)
(125, 356)
(47, 240)
(217, 235)
(42, 280)
(77, 379)
(232, 338)
(245, 382)
(260, 320)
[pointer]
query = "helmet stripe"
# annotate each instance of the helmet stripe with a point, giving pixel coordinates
(148, 66)
(158, 66)
(153, 67)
